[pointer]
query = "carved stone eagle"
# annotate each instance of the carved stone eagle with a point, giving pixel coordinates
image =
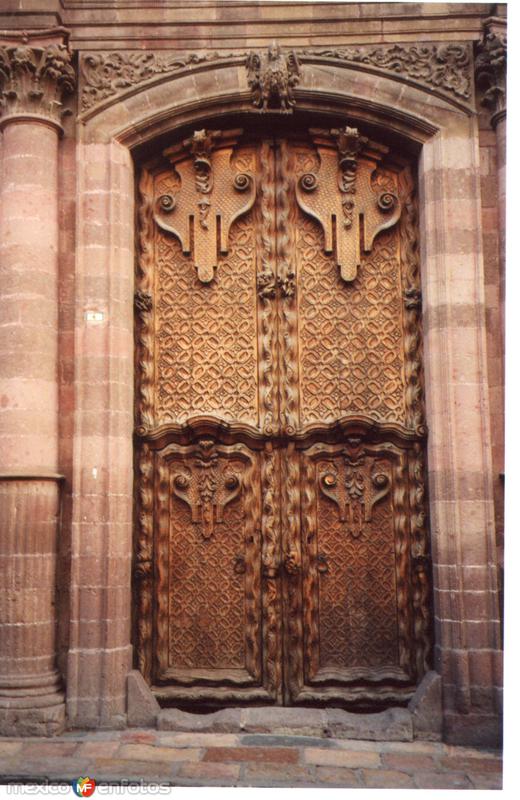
(272, 77)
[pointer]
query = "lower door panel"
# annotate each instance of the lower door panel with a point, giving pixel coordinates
(209, 632)
(352, 593)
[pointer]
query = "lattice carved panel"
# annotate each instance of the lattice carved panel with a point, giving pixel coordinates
(210, 561)
(200, 339)
(356, 561)
(350, 335)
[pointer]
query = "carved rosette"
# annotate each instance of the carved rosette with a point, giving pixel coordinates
(33, 80)
(491, 69)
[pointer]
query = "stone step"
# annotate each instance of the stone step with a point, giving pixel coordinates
(392, 725)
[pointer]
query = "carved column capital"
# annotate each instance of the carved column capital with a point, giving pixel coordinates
(35, 74)
(491, 67)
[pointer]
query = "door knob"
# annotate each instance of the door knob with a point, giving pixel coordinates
(240, 565)
(323, 564)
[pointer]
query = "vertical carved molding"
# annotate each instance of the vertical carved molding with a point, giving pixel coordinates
(421, 566)
(412, 317)
(287, 282)
(161, 561)
(402, 562)
(310, 574)
(252, 577)
(144, 555)
(144, 304)
(266, 286)
(292, 563)
(272, 605)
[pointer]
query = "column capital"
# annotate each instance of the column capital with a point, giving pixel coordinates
(491, 67)
(35, 73)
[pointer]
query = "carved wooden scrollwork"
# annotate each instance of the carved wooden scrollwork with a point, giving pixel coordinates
(209, 184)
(201, 491)
(341, 193)
(356, 497)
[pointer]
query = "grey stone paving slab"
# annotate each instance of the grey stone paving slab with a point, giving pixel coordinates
(266, 740)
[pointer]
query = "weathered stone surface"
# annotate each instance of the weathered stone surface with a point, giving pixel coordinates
(48, 721)
(142, 708)
(226, 759)
(390, 725)
(225, 721)
(426, 708)
(278, 755)
(387, 779)
(302, 721)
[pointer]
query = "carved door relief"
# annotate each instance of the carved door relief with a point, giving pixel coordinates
(281, 535)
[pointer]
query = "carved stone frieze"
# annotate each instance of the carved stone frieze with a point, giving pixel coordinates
(105, 75)
(491, 69)
(33, 80)
(444, 66)
(272, 75)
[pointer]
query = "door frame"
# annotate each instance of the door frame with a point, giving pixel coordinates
(444, 135)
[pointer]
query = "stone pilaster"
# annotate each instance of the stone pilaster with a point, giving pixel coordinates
(491, 78)
(35, 72)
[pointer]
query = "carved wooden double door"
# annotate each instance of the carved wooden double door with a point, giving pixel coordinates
(281, 547)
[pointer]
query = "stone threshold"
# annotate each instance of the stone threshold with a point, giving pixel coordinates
(422, 719)
(391, 725)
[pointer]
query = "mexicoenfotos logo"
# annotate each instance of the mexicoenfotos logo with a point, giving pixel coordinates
(84, 787)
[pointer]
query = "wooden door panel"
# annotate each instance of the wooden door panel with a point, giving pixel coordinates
(209, 564)
(355, 563)
(201, 344)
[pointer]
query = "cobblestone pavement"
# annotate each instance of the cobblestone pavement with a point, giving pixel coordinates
(198, 759)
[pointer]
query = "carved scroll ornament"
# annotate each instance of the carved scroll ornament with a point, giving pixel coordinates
(205, 489)
(361, 489)
(208, 183)
(340, 193)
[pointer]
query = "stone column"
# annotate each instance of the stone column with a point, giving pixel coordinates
(35, 71)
